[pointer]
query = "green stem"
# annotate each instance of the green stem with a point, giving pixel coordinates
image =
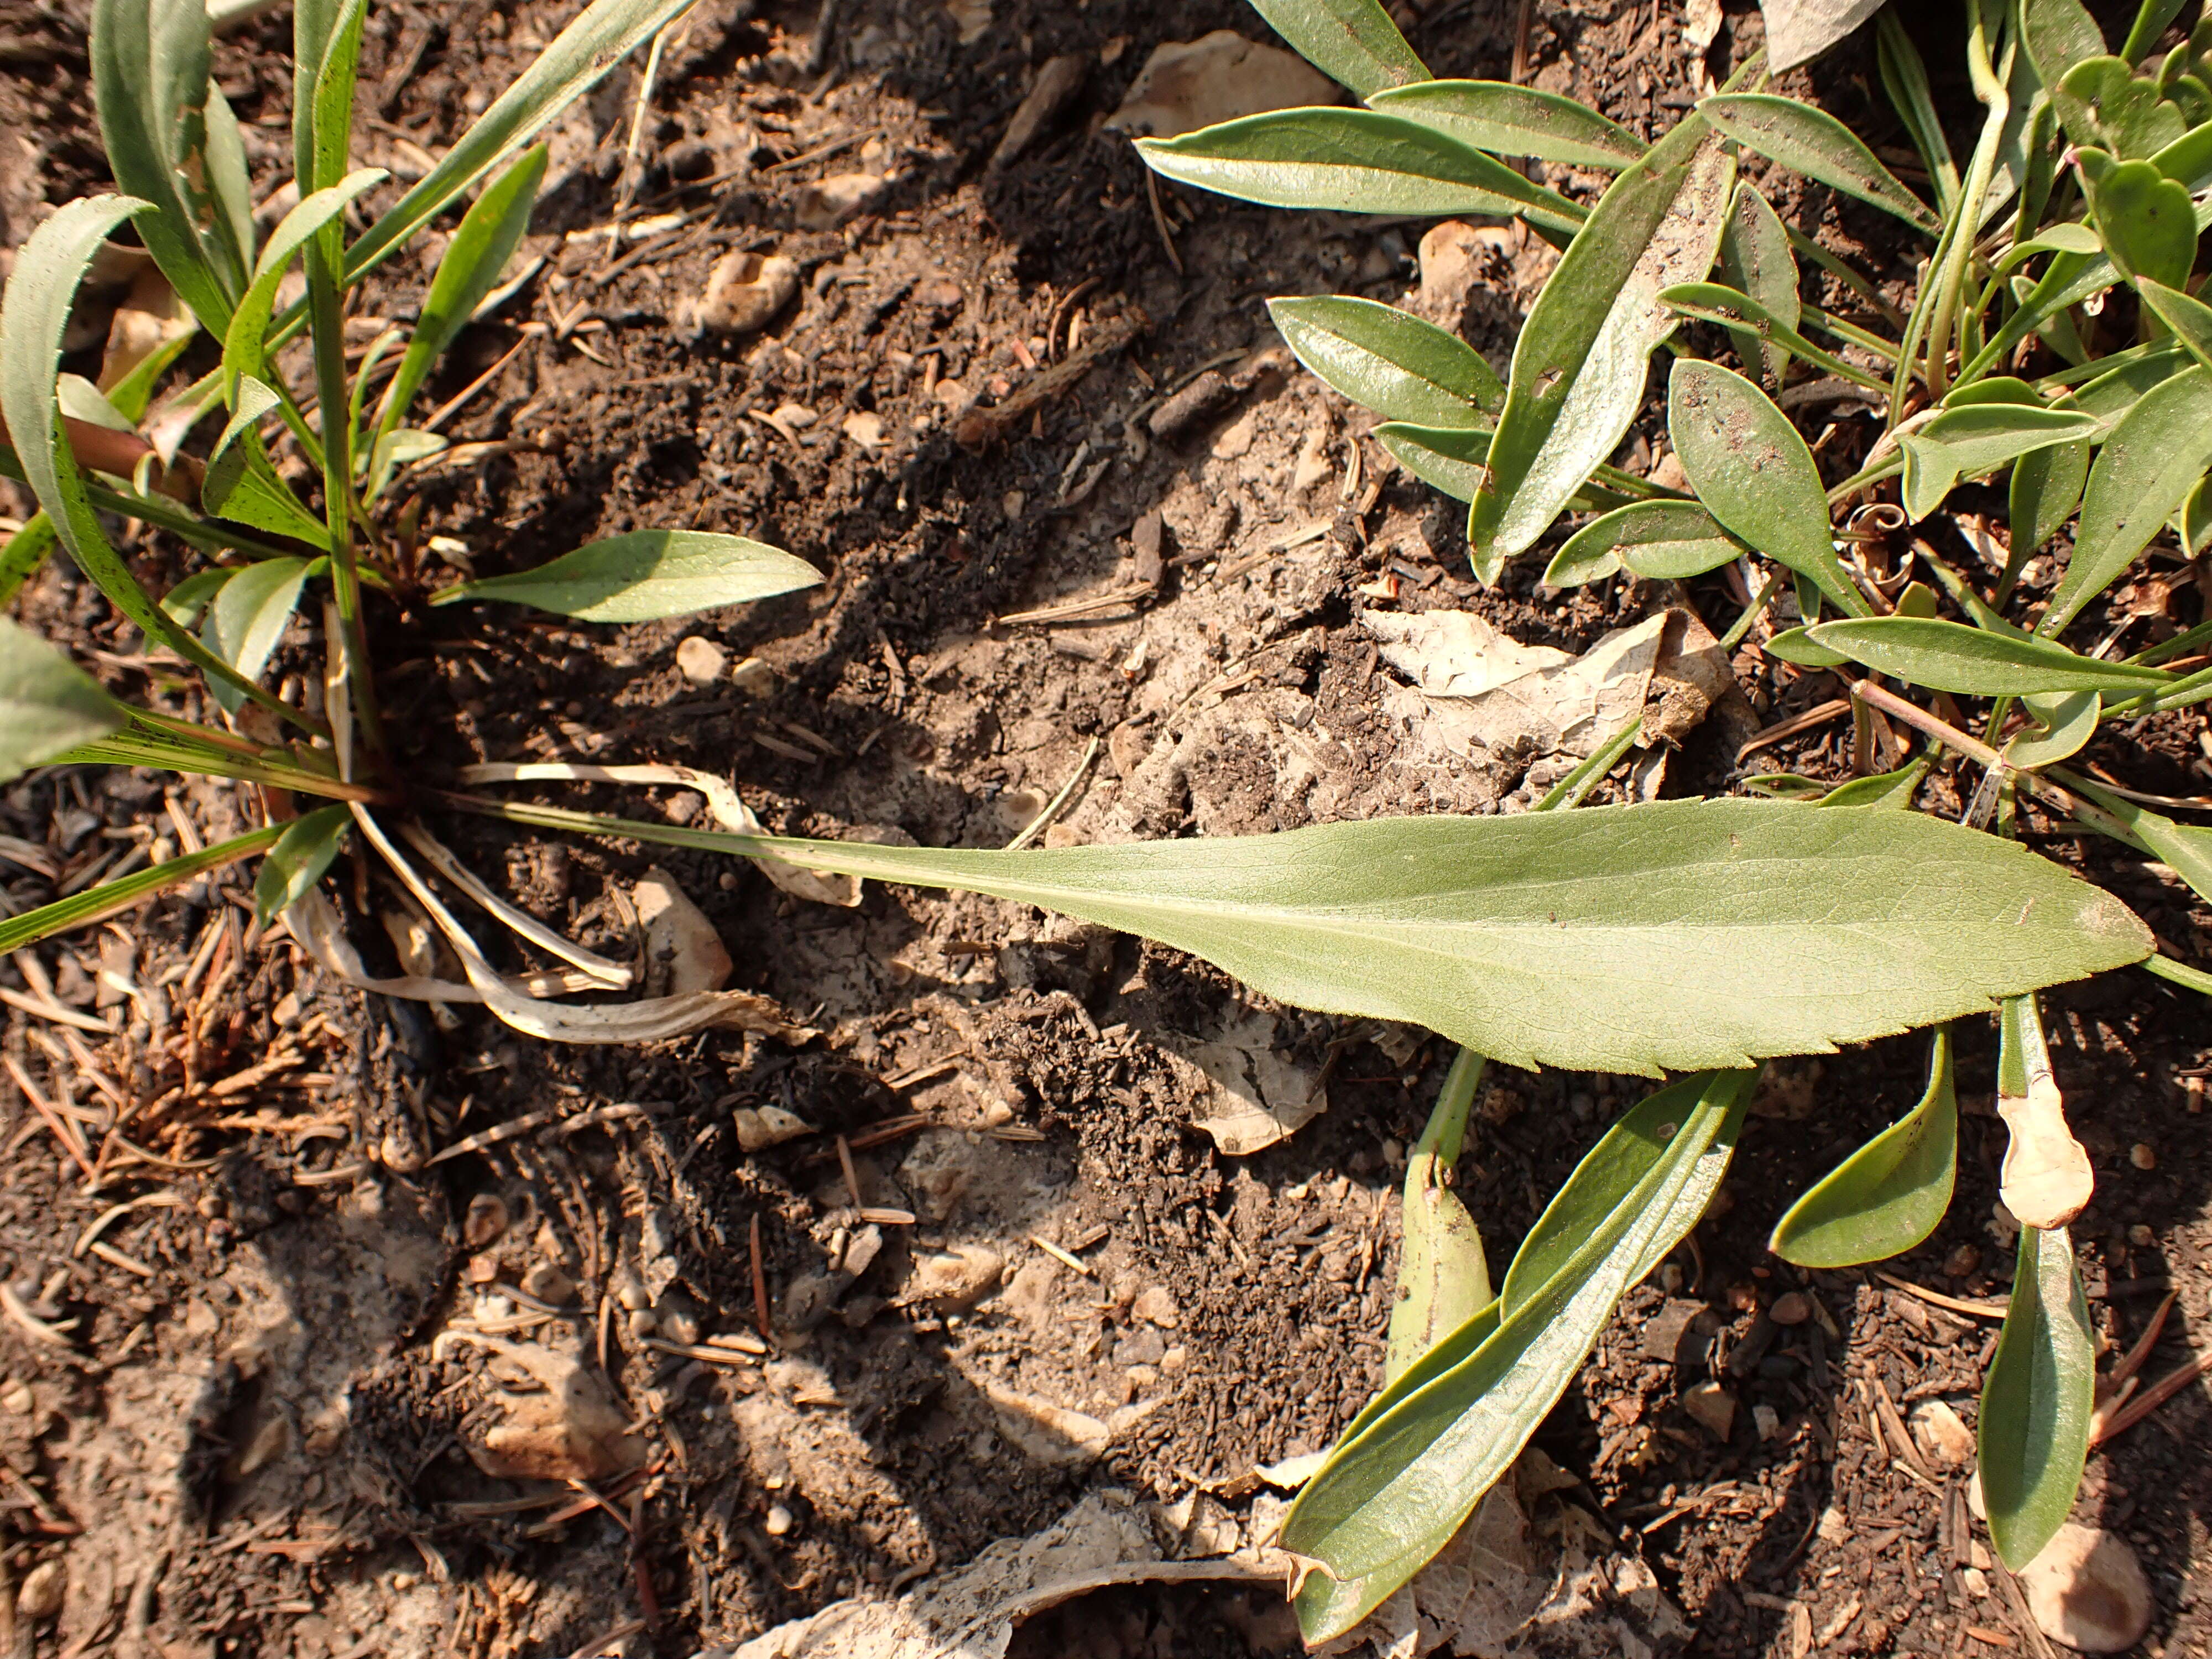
(1570, 790)
(2168, 969)
(1446, 1132)
(1753, 612)
(328, 334)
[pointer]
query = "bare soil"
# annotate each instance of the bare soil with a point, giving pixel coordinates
(250, 1438)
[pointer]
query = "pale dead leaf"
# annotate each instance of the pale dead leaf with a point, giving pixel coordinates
(2046, 1180)
(1249, 1094)
(1798, 31)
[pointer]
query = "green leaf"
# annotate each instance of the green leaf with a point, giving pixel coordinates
(1581, 363)
(1351, 41)
(180, 747)
(150, 60)
(228, 183)
(1738, 312)
(2106, 105)
(1814, 143)
(2186, 851)
(1905, 78)
(1351, 161)
(1400, 366)
(603, 33)
(1978, 438)
(479, 250)
(25, 552)
(2188, 159)
(646, 576)
(1948, 656)
(1754, 474)
(2151, 19)
(2047, 487)
(1888, 1196)
(1755, 253)
(1892, 789)
(254, 399)
(1450, 458)
(188, 602)
(1513, 120)
(2148, 465)
(2067, 721)
(244, 353)
(2058, 33)
(242, 485)
(1795, 645)
(2145, 219)
(1393, 1495)
(34, 313)
(1672, 934)
(1660, 541)
(247, 618)
(2037, 1400)
(1444, 1281)
(297, 861)
(2188, 318)
(47, 704)
(322, 131)
(81, 909)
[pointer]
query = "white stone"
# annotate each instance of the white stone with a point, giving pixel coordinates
(2088, 1590)
(700, 661)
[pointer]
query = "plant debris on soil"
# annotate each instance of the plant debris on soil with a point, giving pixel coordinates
(338, 1326)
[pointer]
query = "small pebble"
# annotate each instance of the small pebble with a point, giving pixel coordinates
(486, 1220)
(1791, 1308)
(1962, 1261)
(1766, 1420)
(2142, 1237)
(700, 661)
(2088, 1590)
(2144, 1156)
(1712, 1406)
(45, 1588)
(1155, 1306)
(778, 1522)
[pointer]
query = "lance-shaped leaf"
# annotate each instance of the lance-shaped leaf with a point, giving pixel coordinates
(646, 576)
(1814, 143)
(1977, 437)
(2188, 316)
(1888, 1196)
(1754, 474)
(81, 909)
(47, 704)
(326, 48)
(1755, 253)
(1746, 318)
(1580, 366)
(2146, 469)
(245, 355)
(1385, 360)
(1451, 458)
(1391, 1496)
(1444, 1281)
(149, 76)
(1660, 541)
(298, 860)
(603, 33)
(242, 485)
(1351, 161)
(2058, 34)
(1676, 934)
(470, 267)
(1351, 41)
(2185, 850)
(248, 616)
(34, 314)
(2037, 1400)
(1513, 120)
(1950, 656)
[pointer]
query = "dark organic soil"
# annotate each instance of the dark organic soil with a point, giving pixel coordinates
(256, 1442)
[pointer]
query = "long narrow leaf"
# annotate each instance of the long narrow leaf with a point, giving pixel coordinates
(603, 33)
(1754, 474)
(41, 291)
(297, 861)
(244, 350)
(2037, 1400)
(1351, 41)
(1385, 360)
(470, 266)
(2152, 459)
(1673, 934)
(1755, 252)
(1580, 366)
(1389, 1499)
(1814, 143)
(1948, 656)
(1351, 161)
(81, 909)
(1515, 120)
(646, 576)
